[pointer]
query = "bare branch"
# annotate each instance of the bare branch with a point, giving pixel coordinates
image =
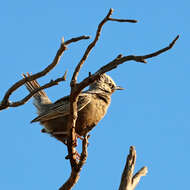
(5, 102)
(77, 88)
(48, 85)
(76, 39)
(73, 179)
(123, 20)
(91, 45)
(84, 153)
(75, 91)
(35, 76)
(118, 61)
(129, 169)
(131, 161)
(136, 178)
(76, 168)
(72, 153)
(128, 181)
(161, 50)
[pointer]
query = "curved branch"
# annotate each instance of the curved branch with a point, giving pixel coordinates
(73, 179)
(91, 45)
(47, 85)
(5, 102)
(118, 61)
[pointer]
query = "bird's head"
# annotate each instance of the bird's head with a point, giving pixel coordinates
(105, 83)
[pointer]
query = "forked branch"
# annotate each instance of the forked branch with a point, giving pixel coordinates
(5, 103)
(93, 43)
(120, 60)
(128, 180)
(75, 91)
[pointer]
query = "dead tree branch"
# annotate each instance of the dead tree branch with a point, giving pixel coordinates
(128, 180)
(118, 61)
(76, 168)
(48, 85)
(75, 91)
(5, 103)
(92, 45)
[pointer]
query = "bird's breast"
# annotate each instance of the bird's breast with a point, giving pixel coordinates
(89, 116)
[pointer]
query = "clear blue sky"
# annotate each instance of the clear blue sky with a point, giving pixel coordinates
(152, 113)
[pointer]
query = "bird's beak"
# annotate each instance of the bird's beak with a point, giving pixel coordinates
(118, 88)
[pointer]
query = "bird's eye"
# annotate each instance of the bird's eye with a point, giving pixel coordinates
(111, 85)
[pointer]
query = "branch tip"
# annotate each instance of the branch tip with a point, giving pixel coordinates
(144, 170)
(87, 37)
(119, 56)
(132, 148)
(135, 21)
(111, 11)
(65, 75)
(62, 40)
(174, 41)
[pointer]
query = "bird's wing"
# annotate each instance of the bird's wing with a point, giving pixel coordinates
(62, 108)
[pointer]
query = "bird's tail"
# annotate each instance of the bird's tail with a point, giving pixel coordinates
(41, 100)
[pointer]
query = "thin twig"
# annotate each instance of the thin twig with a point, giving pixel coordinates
(113, 64)
(161, 50)
(123, 20)
(91, 45)
(76, 39)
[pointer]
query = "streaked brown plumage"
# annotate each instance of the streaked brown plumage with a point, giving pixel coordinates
(92, 107)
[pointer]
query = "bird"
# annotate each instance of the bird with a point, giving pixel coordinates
(92, 106)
